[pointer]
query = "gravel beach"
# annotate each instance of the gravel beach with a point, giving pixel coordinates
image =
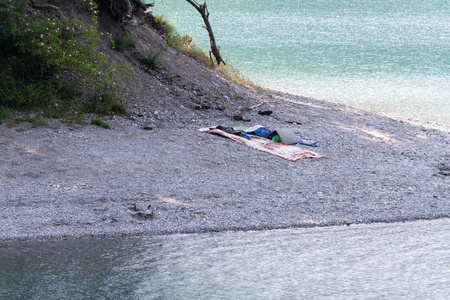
(61, 182)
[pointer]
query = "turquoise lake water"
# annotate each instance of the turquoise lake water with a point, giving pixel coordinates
(389, 56)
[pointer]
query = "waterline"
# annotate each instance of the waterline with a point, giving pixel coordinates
(379, 261)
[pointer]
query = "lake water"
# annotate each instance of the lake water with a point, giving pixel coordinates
(389, 56)
(379, 261)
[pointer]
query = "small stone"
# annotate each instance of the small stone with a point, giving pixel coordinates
(240, 118)
(265, 112)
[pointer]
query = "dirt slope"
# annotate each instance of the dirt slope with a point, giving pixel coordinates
(181, 89)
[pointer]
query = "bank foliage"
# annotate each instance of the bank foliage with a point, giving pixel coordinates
(54, 64)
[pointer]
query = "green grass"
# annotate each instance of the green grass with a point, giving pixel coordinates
(105, 104)
(122, 42)
(35, 121)
(100, 123)
(151, 61)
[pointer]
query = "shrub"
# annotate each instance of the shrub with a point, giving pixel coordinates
(49, 61)
(5, 113)
(100, 123)
(164, 26)
(122, 42)
(105, 104)
(151, 61)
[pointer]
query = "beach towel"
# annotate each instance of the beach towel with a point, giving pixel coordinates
(288, 152)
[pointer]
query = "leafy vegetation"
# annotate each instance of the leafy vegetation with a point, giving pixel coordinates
(105, 104)
(5, 113)
(100, 123)
(53, 65)
(151, 61)
(122, 42)
(36, 121)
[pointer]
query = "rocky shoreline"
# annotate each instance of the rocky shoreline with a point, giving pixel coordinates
(149, 177)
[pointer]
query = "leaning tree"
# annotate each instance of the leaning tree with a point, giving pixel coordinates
(124, 9)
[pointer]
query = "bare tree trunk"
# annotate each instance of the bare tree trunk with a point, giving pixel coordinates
(129, 9)
(202, 9)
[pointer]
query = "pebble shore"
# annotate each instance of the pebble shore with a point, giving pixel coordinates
(151, 178)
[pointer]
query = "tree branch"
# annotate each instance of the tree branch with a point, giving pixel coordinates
(202, 9)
